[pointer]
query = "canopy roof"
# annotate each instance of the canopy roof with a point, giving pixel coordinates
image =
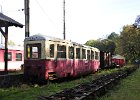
(118, 57)
(7, 21)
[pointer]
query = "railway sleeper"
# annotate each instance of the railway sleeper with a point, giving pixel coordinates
(89, 90)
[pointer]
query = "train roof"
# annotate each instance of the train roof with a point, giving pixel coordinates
(118, 57)
(40, 37)
(11, 47)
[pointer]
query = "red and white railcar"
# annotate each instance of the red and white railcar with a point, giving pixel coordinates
(50, 58)
(15, 58)
(118, 60)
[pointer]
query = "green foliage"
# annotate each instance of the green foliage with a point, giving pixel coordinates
(127, 90)
(105, 44)
(130, 43)
(126, 44)
(11, 43)
(91, 42)
(113, 36)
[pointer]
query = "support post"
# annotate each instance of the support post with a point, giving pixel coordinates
(64, 20)
(27, 18)
(6, 49)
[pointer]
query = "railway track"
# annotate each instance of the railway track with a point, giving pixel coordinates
(92, 90)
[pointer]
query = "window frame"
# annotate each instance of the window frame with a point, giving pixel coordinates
(78, 56)
(96, 55)
(61, 51)
(52, 50)
(10, 53)
(19, 59)
(29, 51)
(71, 52)
(83, 53)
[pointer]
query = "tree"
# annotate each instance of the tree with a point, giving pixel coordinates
(103, 45)
(130, 43)
(91, 42)
(11, 43)
(113, 36)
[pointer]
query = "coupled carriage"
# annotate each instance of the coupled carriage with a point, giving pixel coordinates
(15, 58)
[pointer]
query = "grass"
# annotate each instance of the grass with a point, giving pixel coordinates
(129, 89)
(26, 92)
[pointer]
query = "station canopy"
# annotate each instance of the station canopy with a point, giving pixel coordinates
(7, 21)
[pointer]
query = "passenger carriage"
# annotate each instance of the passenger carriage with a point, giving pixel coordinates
(50, 58)
(118, 60)
(15, 58)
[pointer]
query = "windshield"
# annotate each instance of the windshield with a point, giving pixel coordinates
(33, 51)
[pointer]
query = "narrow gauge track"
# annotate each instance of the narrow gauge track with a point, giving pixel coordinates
(92, 90)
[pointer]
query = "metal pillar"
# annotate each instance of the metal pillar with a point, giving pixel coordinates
(6, 49)
(27, 18)
(64, 20)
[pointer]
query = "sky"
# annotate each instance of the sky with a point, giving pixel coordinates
(85, 19)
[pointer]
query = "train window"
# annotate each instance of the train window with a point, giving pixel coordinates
(33, 51)
(61, 51)
(83, 54)
(88, 54)
(92, 54)
(52, 51)
(77, 53)
(9, 56)
(18, 56)
(96, 56)
(71, 52)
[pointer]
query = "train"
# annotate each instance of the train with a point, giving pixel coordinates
(50, 58)
(15, 58)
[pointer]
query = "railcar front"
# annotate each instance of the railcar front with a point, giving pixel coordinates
(118, 60)
(35, 56)
(47, 57)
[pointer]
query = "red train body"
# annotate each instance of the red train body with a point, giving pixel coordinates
(15, 58)
(118, 60)
(52, 58)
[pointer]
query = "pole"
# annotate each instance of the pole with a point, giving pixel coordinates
(64, 20)
(6, 49)
(27, 18)
(1, 34)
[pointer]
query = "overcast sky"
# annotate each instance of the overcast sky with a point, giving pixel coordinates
(85, 19)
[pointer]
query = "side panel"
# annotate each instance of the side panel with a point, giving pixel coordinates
(13, 63)
(1, 55)
(82, 67)
(35, 68)
(64, 67)
(95, 65)
(119, 62)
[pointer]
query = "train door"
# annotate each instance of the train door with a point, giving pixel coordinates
(70, 60)
(77, 65)
(97, 60)
(61, 60)
(89, 60)
(92, 60)
(86, 60)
